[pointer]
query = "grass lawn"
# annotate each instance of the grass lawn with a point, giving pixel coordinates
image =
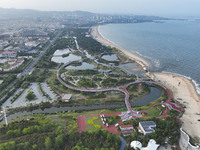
(113, 119)
(96, 122)
(156, 111)
(67, 121)
(146, 106)
(102, 111)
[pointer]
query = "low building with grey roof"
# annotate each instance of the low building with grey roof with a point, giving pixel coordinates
(147, 127)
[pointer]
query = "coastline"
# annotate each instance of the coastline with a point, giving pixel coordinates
(97, 36)
(186, 94)
(186, 90)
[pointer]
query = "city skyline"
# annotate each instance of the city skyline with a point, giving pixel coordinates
(142, 7)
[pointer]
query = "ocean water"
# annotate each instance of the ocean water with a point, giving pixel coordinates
(171, 46)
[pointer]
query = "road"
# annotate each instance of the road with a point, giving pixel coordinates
(30, 67)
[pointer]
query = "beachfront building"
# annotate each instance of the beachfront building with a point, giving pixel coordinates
(147, 127)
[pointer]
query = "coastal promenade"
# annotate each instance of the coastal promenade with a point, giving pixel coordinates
(186, 91)
(124, 115)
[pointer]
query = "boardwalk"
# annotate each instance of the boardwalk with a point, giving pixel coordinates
(124, 115)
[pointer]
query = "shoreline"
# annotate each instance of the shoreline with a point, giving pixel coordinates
(186, 94)
(186, 90)
(97, 36)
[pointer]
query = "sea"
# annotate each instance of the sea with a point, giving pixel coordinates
(171, 46)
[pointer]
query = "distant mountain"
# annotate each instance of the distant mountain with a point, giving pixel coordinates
(12, 13)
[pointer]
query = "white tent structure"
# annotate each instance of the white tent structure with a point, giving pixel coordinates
(136, 144)
(151, 145)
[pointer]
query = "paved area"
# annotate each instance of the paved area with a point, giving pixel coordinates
(21, 100)
(82, 123)
(48, 90)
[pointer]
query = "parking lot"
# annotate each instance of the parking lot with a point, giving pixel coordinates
(21, 100)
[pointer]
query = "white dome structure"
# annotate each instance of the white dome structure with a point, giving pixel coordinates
(151, 145)
(136, 144)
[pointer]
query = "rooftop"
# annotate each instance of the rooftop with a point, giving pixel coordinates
(147, 123)
(126, 126)
(67, 96)
(148, 126)
(136, 144)
(8, 52)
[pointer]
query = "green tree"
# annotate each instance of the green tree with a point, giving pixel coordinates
(59, 130)
(48, 142)
(8, 146)
(30, 96)
(59, 141)
(34, 147)
(25, 84)
(25, 145)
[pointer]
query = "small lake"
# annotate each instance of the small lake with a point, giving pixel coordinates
(61, 52)
(129, 68)
(112, 57)
(96, 61)
(82, 67)
(152, 96)
(61, 59)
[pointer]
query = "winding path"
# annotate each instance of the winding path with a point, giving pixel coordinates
(126, 115)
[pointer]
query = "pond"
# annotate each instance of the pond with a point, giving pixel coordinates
(96, 61)
(61, 59)
(132, 68)
(112, 57)
(61, 52)
(82, 67)
(152, 96)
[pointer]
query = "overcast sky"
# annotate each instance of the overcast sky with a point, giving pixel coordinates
(146, 7)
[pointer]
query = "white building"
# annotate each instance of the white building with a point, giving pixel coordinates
(136, 144)
(126, 127)
(151, 145)
(66, 97)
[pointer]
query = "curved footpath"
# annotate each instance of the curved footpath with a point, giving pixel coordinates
(130, 112)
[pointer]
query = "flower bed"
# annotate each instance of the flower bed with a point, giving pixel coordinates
(93, 123)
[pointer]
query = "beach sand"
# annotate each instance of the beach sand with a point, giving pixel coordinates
(190, 99)
(186, 90)
(95, 34)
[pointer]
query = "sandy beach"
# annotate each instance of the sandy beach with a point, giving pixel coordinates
(95, 34)
(181, 87)
(184, 88)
